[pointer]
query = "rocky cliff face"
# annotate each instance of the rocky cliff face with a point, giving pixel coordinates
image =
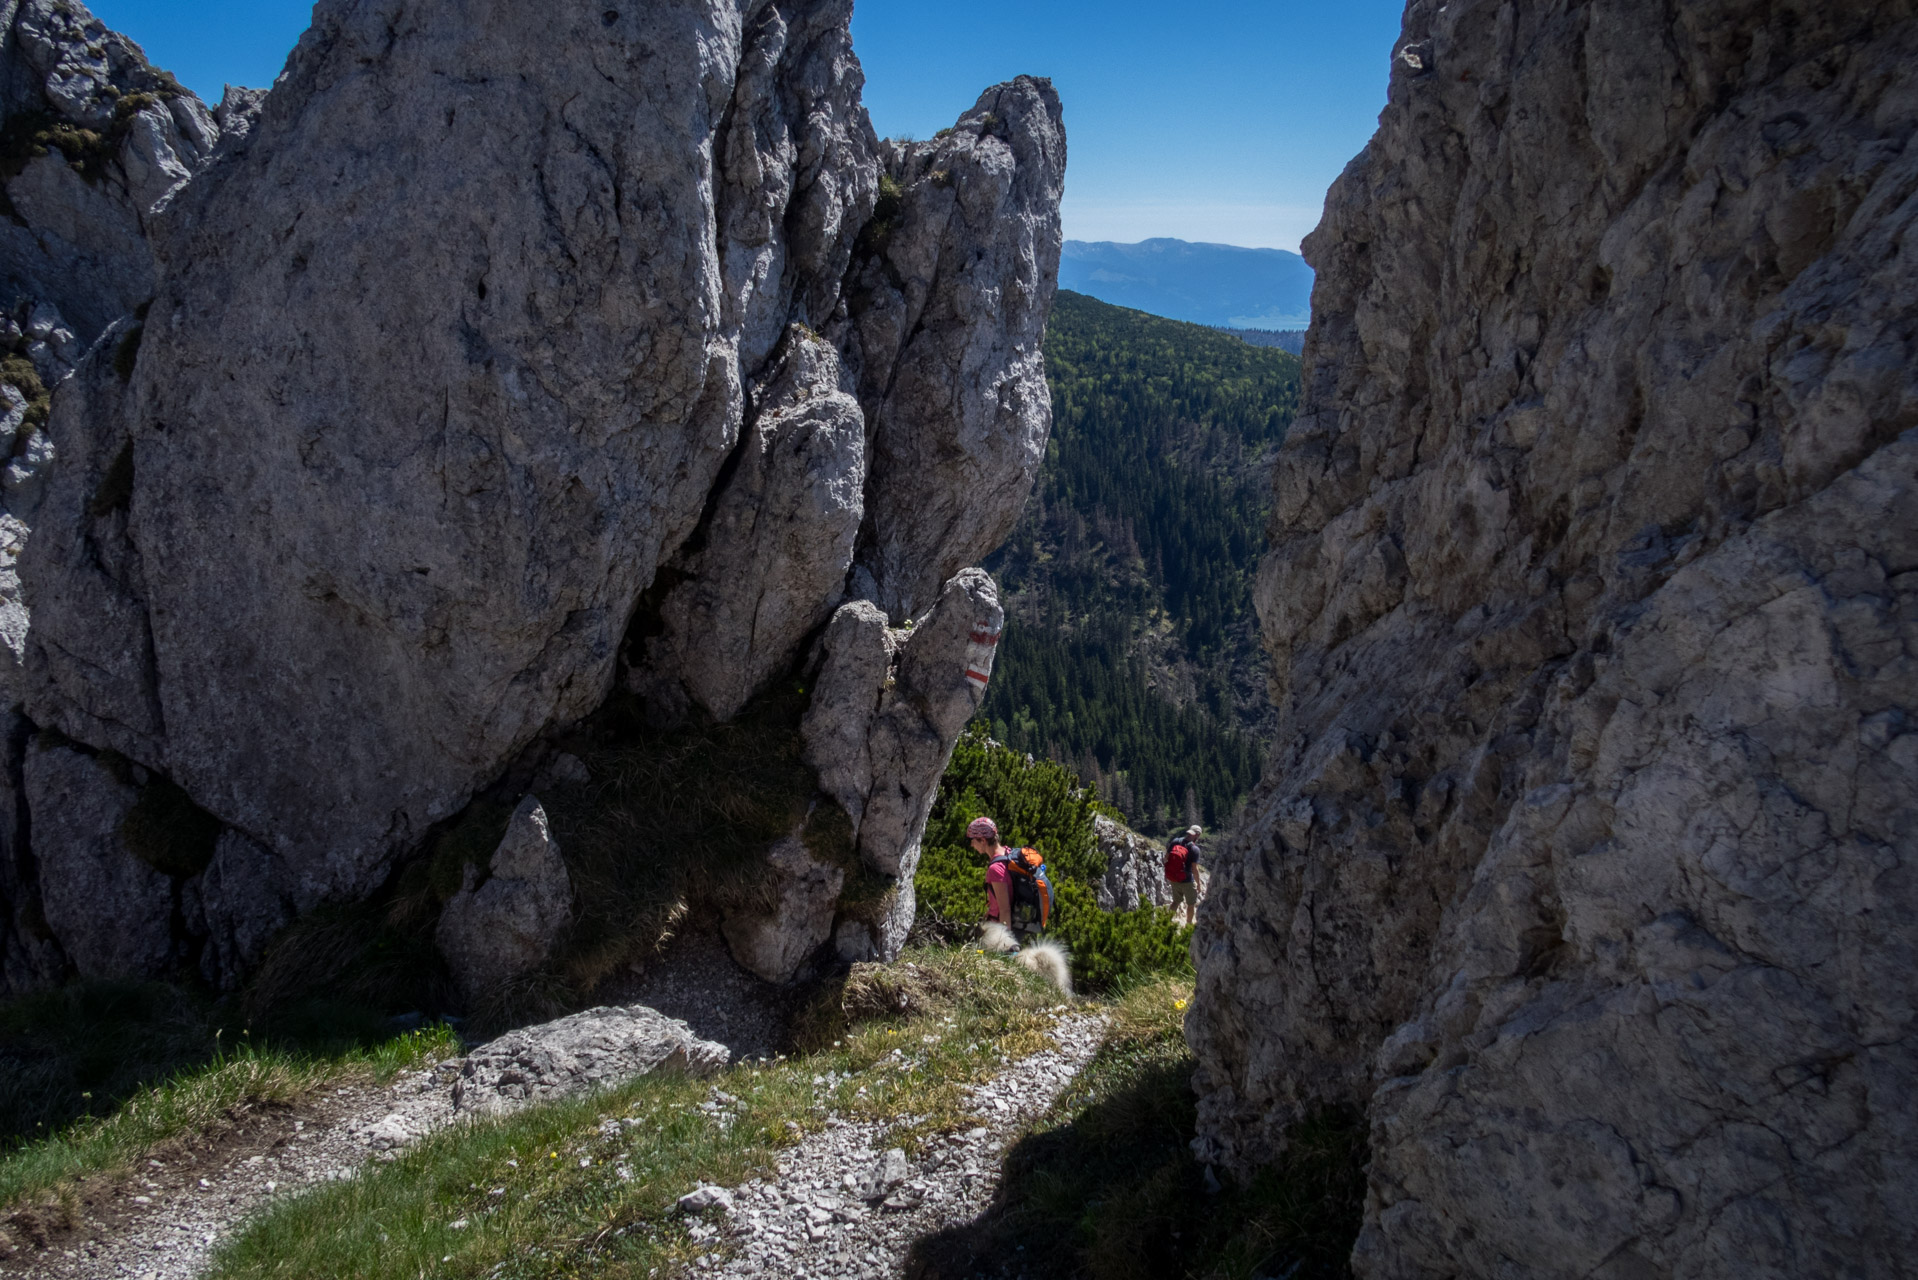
(97, 141)
(1586, 861)
(490, 323)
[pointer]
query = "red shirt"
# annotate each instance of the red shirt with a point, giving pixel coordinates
(998, 886)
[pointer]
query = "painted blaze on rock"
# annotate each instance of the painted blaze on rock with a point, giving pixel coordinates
(494, 320)
(1585, 860)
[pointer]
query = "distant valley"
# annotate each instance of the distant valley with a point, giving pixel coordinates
(1132, 653)
(1212, 284)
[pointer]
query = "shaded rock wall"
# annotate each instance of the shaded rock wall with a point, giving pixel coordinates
(1586, 859)
(484, 323)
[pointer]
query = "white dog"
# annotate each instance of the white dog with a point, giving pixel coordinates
(1047, 959)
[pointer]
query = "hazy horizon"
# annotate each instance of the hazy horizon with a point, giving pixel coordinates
(1223, 122)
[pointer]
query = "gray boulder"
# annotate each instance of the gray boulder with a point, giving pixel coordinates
(111, 912)
(506, 927)
(774, 943)
(1582, 865)
(1135, 868)
(597, 1049)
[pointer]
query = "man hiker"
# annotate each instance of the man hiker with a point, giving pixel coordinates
(1182, 873)
(1018, 891)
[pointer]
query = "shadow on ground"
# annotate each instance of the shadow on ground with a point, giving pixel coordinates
(87, 1047)
(1112, 1192)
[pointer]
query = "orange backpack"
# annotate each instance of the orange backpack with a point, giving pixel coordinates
(1026, 872)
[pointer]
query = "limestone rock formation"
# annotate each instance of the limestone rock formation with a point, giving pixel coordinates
(957, 240)
(98, 139)
(770, 565)
(1135, 868)
(596, 1049)
(496, 354)
(887, 708)
(110, 910)
(502, 930)
(773, 944)
(1585, 861)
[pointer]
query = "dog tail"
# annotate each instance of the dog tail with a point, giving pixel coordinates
(995, 937)
(1050, 961)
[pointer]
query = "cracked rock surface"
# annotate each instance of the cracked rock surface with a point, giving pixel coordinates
(1585, 862)
(594, 1049)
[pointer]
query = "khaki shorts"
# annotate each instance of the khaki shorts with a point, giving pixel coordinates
(1184, 893)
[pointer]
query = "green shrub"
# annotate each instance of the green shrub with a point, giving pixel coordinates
(1113, 950)
(1042, 804)
(1035, 802)
(886, 213)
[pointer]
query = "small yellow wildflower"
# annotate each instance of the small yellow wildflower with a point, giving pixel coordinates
(1178, 1004)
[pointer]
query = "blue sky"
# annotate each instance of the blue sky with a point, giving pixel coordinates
(1220, 120)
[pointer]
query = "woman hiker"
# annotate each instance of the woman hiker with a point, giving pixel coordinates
(983, 835)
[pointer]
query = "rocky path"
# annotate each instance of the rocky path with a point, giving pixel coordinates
(162, 1223)
(842, 1208)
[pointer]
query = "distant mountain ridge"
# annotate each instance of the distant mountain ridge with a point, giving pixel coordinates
(1212, 284)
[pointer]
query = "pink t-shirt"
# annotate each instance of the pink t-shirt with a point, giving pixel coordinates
(997, 886)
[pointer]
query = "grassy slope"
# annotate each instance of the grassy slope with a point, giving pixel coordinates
(96, 1077)
(1108, 1188)
(1104, 1188)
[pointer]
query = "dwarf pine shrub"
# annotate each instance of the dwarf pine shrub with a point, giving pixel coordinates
(1042, 804)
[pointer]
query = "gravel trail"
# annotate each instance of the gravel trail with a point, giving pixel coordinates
(163, 1222)
(824, 1216)
(840, 1207)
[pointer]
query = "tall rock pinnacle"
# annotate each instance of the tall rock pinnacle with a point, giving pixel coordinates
(496, 313)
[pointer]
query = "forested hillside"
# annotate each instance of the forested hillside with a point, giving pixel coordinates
(1131, 649)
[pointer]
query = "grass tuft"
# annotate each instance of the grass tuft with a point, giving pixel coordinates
(19, 371)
